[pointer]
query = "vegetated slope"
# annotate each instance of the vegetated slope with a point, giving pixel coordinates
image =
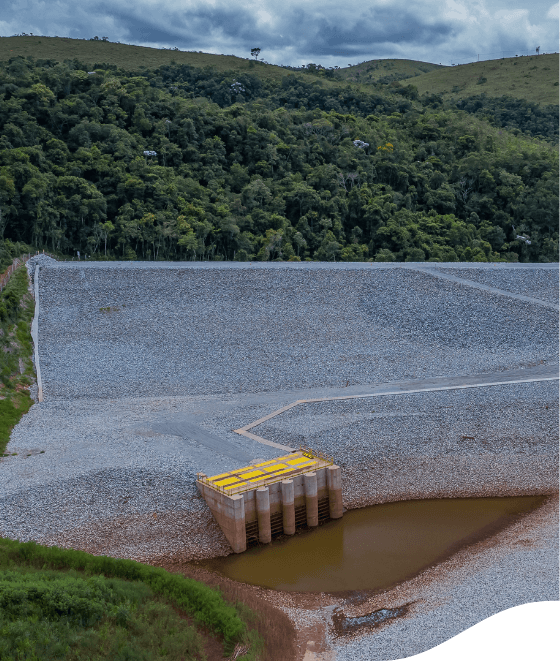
(64, 604)
(533, 78)
(96, 53)
(385, 71)
(518, 115)
(540, 73)
(10, 250)
(249, 169)
(515, 93)
(78, 617)
(127, 57)
(16, 367)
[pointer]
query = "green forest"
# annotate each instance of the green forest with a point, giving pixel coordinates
(186, 163)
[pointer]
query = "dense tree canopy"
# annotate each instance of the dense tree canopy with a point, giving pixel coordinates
(184, 163)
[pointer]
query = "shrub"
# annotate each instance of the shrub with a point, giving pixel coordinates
(49, 614)
(385, 255)
(415, 255)
(203, 603)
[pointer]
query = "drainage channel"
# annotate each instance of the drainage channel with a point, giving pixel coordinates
(375, 547)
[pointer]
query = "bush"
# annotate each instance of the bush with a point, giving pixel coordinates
(10, 250)
(242, 256)
(74, 600)
(63, 615)
(12, 294)
(415, 255)
(385, 255)
(203, 603)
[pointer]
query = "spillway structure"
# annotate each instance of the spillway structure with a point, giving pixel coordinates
(259, 502)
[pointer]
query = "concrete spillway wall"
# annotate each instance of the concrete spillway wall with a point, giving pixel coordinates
(276, 506)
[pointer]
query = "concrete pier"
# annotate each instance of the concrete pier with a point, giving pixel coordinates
(269, 498)
(263, 514)
(311, 501)
(334, 484)
(288, 508)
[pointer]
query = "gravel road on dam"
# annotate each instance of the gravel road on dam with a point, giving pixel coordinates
(148, 369)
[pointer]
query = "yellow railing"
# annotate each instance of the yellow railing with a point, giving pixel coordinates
(310, 453)
(267, 480)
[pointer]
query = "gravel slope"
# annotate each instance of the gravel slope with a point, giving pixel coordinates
(172, 331)
(537, 283)
(217, 343)
(218, 346)
(109, 460)
(505, 419)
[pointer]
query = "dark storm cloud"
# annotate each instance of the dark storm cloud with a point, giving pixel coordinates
(300, 31)
(380, 32)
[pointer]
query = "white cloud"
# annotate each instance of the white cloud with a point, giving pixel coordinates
(553, 14)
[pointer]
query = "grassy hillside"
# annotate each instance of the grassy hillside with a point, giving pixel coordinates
(128, 58)
(380, 70)
(534, 78)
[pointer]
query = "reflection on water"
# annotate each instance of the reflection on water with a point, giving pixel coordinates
(373, 547)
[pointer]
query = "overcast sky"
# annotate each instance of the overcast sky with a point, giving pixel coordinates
(296, 32)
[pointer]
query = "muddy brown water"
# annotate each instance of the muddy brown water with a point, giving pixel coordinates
(375, 547)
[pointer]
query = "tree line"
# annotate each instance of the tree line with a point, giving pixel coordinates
(181, 163)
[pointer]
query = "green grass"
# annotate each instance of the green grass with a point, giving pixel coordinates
(533, 78)
(153, 632)
(16, 348)
(66, 604)
(46, 614)
(374, 70)
(128, 57)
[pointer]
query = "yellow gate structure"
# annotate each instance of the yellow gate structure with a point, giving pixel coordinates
(260, 501)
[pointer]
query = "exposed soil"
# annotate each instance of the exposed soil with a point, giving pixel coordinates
(213, 645)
